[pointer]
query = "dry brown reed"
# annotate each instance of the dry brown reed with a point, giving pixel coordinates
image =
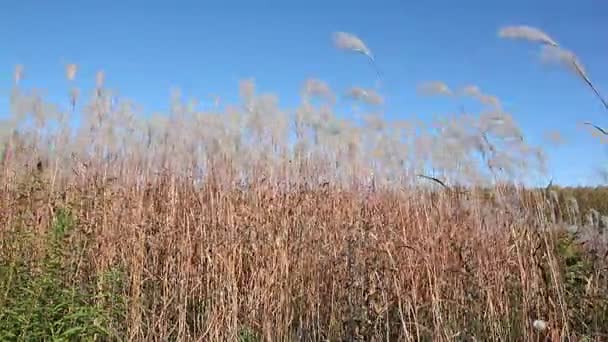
(223, 229)
(327, 263)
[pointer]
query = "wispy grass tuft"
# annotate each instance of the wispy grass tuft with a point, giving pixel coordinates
(70, 71)
(368, 96)
(434, 88)
(317, 88)
(571, 62)
(350, 42)
(529, 33)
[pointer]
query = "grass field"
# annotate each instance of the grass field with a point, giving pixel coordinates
(254, 222)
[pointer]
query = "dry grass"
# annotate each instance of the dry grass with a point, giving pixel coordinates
(256, 224)
(305, 264)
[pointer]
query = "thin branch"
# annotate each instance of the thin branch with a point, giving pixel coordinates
(597, 127)
(588, 81)
(434, 180)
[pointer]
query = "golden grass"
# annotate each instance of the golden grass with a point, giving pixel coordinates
(222, 227)
(208, 264)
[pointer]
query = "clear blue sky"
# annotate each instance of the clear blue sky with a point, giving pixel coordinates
(205, 47)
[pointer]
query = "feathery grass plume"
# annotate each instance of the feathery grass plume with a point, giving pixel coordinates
(375, 122)
(593, 218)
(18, 75)
(500, 124)
(572, 209)
(100, 77)
(70, 74)
(528, 33)
(70, 71)
(554, 197)
(471, 91)
(540, 325)
(318, 88)
(99, 82)
(368, 96)
(602, 225)
(563, 57)
(490, 100)
(350, 42)
(247, 92)
(589, 221)
(569, 60)
(216, 99)
(434, 88)
(476, 93)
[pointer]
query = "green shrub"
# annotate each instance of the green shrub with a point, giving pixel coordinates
(584, 281)
(38, 304)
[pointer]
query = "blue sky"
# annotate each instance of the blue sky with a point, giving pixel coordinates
(206, 47)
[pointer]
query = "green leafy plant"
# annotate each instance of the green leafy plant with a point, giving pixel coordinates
(39, 305)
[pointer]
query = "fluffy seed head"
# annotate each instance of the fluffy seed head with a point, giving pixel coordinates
(471, 90)
(475, 92)
(368, 96)
(316, 87)
(70, 71)
(572, 205)
(554, 196)
(18, 73)
(434, 88)
(348, 41)
(528, 33)
(489, 100)
(247, 88)
(540, 325)
(564, 58)
(568, 59)
(100, 78)
(602, 224)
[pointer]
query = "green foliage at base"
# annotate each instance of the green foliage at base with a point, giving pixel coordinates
(37, 303)
(583, 274)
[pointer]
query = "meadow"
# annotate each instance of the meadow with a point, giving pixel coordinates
(251, 222)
